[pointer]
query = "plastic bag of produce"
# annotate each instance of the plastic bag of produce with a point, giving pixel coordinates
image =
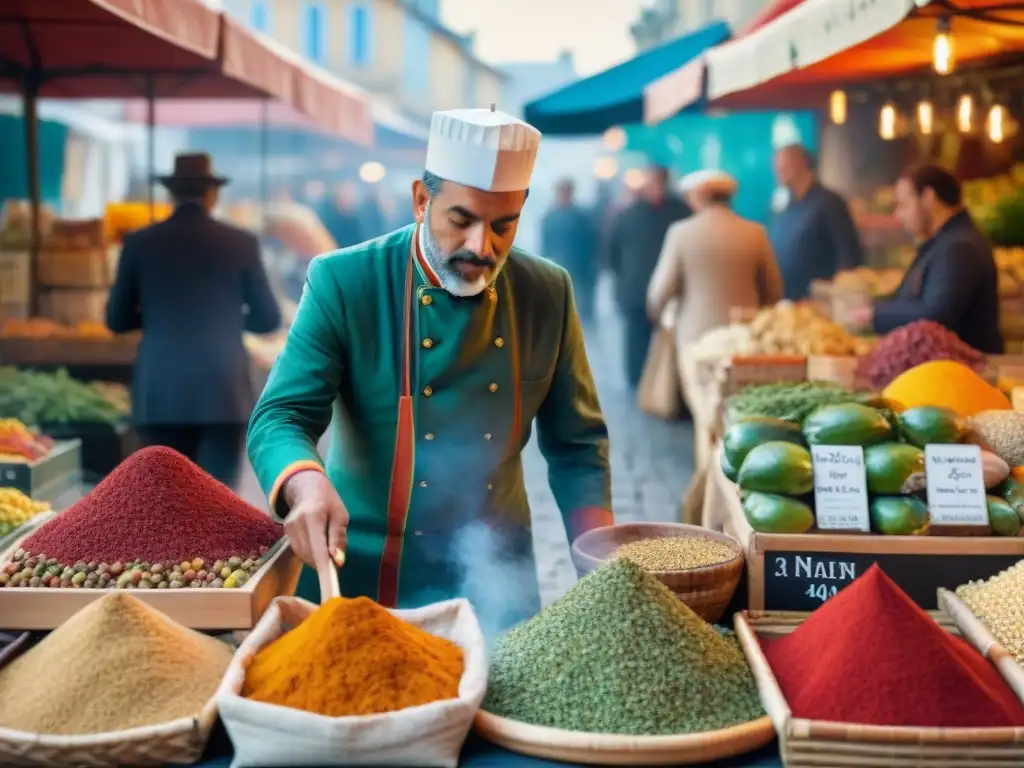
(427, 735)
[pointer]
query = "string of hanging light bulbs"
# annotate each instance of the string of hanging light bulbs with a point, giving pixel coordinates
(998, 123)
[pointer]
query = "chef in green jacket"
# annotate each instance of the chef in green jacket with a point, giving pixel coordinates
(434, 349)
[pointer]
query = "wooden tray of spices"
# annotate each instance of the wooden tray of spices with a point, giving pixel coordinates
(45, 608)
(807, 743)
(616, 749)
(977, 634)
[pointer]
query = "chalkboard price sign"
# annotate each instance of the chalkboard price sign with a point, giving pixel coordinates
(802, 581)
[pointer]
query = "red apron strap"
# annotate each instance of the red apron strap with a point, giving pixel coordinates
(402, 464)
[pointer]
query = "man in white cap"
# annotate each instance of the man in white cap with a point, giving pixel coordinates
(435, 347)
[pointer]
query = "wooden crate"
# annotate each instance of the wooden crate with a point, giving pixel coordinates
(978, 635)
(205, 609)
(797, 572)
(71, 306)
(750, 371)
(88, 267)
(120, 350)
(817, 744)
(48, 477)
(835, 370)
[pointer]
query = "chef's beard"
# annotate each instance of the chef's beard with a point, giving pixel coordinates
(446, 267)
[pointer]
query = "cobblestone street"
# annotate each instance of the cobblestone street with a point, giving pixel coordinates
(652, 462)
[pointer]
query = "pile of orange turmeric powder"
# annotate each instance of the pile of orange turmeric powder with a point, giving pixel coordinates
(352, 657)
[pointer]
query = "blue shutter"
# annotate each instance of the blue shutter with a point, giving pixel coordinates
(259, 15)
(360, 35)
(314, 28)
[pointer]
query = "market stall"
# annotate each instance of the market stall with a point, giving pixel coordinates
(147, 581)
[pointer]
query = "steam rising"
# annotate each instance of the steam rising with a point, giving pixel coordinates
(499, 577)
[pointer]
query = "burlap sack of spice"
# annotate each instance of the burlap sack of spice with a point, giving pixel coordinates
(429, 735)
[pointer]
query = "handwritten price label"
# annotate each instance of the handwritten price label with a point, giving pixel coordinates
(956, 485)
(840, 488)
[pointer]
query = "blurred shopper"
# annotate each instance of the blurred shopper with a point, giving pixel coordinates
(340, 216)
(953, 280)
(372, 221)
(193, 285)
(814, 236)
(569, 238)
(633, 249)
(713, 263)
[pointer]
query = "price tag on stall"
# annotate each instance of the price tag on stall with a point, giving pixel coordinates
(840, 488)
(956, 485)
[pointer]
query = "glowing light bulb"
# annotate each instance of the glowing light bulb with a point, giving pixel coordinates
(614, 139)
(925, 117)
(634, 178)
(837, 107)
(887, 122)
(965, 114)
(995, 125)
(942, 48)
(372, 172)
(605, 168)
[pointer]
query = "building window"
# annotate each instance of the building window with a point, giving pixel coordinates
(259, 15)
(360, 34)
(314, 30)
(416, 58)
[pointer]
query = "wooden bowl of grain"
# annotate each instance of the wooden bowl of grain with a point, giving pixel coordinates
(702, 567)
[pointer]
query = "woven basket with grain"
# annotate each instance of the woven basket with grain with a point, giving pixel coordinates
(814, 743)
(764, 369)
(179, 742)
(706, 591)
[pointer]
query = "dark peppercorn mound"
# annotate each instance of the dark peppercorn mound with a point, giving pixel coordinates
(160, 507)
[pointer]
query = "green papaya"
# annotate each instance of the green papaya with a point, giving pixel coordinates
(727, 468)
(772, 513)
(1003, 518)
(777, 467)
(898, 515)
(931, 424)
(846, 424)
(888, 466)
(743, 436)
(1012, 490)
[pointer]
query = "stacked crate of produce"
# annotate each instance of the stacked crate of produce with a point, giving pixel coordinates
(75, 271)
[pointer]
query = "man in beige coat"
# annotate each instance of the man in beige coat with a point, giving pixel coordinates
(715, 263)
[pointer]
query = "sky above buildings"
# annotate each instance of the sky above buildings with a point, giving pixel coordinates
(595, 31)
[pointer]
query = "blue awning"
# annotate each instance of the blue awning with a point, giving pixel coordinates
(616, 96)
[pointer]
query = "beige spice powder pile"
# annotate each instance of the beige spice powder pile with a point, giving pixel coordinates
(114, 665)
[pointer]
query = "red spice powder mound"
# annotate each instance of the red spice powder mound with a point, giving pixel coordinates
(871, 656)
(160, 507)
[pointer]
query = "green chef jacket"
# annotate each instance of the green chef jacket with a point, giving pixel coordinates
(468, 517)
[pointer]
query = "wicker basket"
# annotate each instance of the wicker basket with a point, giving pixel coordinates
(835, 370)
(706, 591)
(179, 742)
(814, 744)
(978, 635)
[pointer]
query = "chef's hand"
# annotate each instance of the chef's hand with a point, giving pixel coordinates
(317, 523)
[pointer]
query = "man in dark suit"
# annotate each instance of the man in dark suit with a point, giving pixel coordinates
(193, 285)
(953, 280)
(632, 252)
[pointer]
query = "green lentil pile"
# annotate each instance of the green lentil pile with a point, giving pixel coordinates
(675, 553)
(619, 653)
(792, 402)
(999, 603)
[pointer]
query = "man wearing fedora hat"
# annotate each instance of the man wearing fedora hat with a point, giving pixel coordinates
(193, 285)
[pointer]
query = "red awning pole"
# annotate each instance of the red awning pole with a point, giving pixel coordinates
(151, 144)
(30, 83)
